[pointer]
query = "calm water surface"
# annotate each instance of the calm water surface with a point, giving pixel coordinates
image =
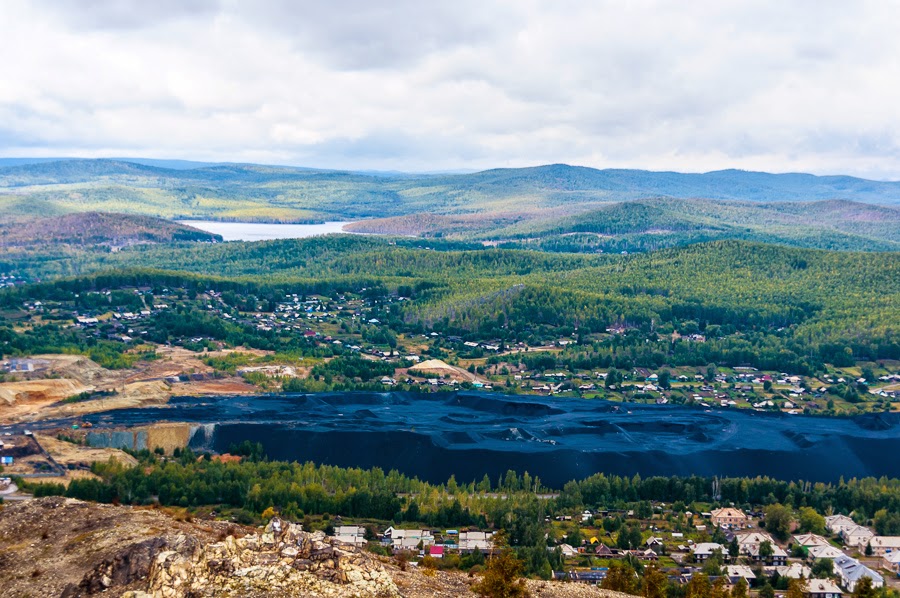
(255, 231)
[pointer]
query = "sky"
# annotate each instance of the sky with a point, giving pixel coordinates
(805, 85)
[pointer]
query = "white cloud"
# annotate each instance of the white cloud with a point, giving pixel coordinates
(443, 85)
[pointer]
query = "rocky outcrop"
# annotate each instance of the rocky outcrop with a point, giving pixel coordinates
(64, 547)
(130, 565)
(281, 561)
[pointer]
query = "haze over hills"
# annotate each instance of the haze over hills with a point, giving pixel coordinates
(556, 184)
(554, 207)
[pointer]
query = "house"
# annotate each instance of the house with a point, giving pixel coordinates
(568, 550)
(354, 535)
(436, 552)
(734, 573)
(654, 543)
(824, 552)
(850, 571)
(605, 551)
(891, 561)
(809, 540)
(749, 539)
(857, 535)
(749, 544)
(407, 539)
(472, 541)
(591, 577)
(778, 558)
(882, 545)
(728, 517)
(793, 571)
(704, 550)
(643, 555)
(407, 544)
(821, 588)
(836, 523)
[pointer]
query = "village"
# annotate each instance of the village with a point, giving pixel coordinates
(318, 328)
(725, 544)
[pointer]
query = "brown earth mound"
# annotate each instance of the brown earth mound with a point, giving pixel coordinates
(440, 368)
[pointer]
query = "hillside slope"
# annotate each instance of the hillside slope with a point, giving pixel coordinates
(219, 190)
(94, 228)
(656, 223)
(65, 547)
(538, 208)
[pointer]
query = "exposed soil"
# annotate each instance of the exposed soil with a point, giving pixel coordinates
(64, 547)
(40, 394)
(67, 453)
(225, 386)
(49, 545)
(440, 368)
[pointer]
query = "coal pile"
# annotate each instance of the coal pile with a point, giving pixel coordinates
(435, 435)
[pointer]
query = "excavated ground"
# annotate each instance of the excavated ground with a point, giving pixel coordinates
(64, 547)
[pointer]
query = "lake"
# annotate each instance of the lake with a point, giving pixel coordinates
(260, 231)
(468, 434)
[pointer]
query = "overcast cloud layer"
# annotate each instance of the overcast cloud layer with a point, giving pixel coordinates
(410, 85)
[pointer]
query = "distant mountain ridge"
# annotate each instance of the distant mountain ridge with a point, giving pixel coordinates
(560, 179)
(551, 207)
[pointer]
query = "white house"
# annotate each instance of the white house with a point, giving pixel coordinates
(882, 545)
(824, 552)
(850, 571)
(794, 571)
(857, 535)
(704, 550)
(748, 539)
(472, 541)
(836, 523)
(810, 540)
(891, 561)
(736, 572)
(350, 534)
(407, 539)
(821, 588)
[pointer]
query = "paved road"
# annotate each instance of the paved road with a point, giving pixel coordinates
(17, 497)
(10, 494)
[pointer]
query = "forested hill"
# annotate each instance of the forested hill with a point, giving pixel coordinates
(657, 223)
(562, 182)
(235, 191)
(92, 228)
(555, 182)
(550, 208)
(771, 306)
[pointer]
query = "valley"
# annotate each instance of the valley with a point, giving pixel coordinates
(462, 364)
(533, 208)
